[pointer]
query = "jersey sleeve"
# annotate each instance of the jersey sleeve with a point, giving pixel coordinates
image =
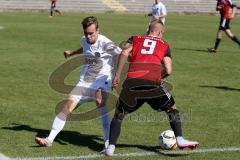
(231, 5)
(111, 47)
(168, 53)
(83, 40)
(164, 10)
(130, 40)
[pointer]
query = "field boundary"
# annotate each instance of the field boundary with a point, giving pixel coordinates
(115, 5)
(137, 154)
(3, 157)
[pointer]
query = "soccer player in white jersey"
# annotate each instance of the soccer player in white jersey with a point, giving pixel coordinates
(159, 12)
(95, 79)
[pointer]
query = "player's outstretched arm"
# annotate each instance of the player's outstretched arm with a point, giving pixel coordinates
(121, 62)
(148, 14)
(68, 54)
(234, 10)
(167, 67)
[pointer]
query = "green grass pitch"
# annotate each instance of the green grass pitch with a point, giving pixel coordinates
(205, 86)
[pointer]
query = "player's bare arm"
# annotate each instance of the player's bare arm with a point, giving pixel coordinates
(219, 7)
(121, 62)
(232, 15)
(167, 64)
(68, 54)
(148, 14)
(159, 17)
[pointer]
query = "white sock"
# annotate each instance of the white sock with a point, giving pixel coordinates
(105, 120)
(57, 126)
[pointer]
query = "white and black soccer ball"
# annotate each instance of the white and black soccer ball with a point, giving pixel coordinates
(167, 140)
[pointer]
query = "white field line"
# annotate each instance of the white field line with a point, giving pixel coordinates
(3, 157)
(136, 154)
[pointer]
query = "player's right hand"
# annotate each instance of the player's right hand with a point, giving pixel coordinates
(231, 16)
(116, 81)
(67, 54)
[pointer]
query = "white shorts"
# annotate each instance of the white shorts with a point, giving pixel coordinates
(85, 91)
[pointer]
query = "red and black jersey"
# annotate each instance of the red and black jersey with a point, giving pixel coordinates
(53, 3)
(147, 55)
(224, 6)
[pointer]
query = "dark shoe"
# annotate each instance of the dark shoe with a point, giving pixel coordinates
(212, 50)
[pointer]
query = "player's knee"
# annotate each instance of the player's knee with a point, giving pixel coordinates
(100, 96)
(172, 109)
(69, 106)
(219, 34)
(99, 103)
(170, 105)
(229, 34)
(119, 116)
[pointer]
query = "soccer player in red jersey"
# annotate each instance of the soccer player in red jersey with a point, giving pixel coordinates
(227, 11)
(53, 6)
(144, 83)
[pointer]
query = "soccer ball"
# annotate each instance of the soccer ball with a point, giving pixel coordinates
(167, 140)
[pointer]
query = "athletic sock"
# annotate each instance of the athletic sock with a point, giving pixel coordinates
(235, 39)
(115, 130)
(57, 126)
(217, 42)
(105, 121)
(175, 122)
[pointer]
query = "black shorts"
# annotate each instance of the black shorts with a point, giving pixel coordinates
(133, 96)
(224, 24)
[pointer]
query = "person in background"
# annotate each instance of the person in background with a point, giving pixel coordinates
(227, 12)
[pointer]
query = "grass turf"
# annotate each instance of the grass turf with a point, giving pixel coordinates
(206, 86)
